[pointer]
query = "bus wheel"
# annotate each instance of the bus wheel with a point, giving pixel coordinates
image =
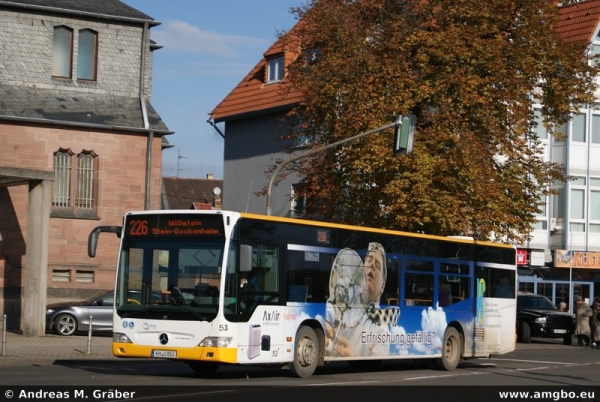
(203, 367)
(451, 350)
(306, 353)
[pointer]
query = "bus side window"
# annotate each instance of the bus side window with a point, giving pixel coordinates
(444, 297)
(418, 290)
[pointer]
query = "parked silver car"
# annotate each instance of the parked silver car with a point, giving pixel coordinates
(67, 318)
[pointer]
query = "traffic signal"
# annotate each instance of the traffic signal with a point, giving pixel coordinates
(404, 134)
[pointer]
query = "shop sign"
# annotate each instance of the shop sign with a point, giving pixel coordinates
(521, 257)
(577, 259)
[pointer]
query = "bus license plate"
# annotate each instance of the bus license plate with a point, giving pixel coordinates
(169, 354)
(560, 331)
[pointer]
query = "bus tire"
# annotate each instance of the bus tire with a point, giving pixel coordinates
(306, 352)
(204, 368)
(452, 348)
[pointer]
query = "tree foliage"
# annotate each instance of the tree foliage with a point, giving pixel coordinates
(469, 72)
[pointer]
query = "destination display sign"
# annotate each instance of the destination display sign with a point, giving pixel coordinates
(174, 225)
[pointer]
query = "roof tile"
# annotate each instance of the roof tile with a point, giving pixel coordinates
(253, 95)
(578, 21)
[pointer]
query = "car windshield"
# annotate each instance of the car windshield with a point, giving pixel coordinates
(95, 297)
(535, 302)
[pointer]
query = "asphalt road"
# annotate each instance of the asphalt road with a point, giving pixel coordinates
(539, 365)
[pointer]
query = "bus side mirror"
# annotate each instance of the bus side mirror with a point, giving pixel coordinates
(246, 254)
(93, 237)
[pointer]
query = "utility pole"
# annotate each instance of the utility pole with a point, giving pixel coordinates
(403, 143)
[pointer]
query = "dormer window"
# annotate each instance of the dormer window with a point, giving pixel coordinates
(274, 69)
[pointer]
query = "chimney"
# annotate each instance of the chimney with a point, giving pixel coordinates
(209, 176)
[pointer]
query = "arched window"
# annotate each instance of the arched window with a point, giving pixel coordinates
(61, 196)
(75, 190)
(87, 51)
(62, 52)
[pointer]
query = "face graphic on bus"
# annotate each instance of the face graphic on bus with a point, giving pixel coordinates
(374, 272)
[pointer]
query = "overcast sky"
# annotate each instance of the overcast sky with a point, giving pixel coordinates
(209, 47)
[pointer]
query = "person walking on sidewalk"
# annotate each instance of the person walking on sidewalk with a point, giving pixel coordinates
(583, 312)
(596, 326)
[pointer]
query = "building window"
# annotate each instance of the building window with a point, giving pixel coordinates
(62, 52)
(594, 205)
(84, 276)
(87, 51)
(61, 275)
(85, 180)
(578, 133)
(298, 202)
(62, 178)
(75, 189)
(542, 216)
(275, 69)
(539, 130)
(577, 205)
(596, 125)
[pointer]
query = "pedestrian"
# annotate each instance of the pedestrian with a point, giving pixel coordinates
(583, 312)
(596, 323)
(563, 307)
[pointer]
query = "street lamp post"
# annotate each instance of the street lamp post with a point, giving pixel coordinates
(407, 133)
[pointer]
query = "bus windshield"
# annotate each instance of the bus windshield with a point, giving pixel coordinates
(160, 276)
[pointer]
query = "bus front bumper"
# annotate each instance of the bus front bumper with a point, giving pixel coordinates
(208, 354)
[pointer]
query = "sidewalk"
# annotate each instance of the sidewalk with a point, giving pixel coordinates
(20, 349)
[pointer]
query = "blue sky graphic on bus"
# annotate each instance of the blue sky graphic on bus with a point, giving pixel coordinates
(355, 323)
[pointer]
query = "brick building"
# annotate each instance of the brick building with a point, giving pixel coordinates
(80, 145)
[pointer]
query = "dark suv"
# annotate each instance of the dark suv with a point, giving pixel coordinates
(537, 316)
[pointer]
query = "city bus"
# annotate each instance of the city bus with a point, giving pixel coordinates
(212, 288)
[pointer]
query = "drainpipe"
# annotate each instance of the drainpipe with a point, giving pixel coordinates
(145, 118)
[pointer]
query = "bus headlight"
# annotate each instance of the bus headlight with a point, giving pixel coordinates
(541, 320)
(120, 338)
(215, 342)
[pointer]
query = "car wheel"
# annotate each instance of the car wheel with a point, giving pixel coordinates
(567, 339)
(65, 324)
(525, 333)
(306, 353)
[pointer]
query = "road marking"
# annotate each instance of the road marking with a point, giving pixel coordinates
(428, 377)
(342, 383)
(533, 361)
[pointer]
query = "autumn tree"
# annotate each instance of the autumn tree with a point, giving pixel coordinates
(470, 71)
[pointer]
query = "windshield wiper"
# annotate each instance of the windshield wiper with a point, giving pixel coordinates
(192, 312)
